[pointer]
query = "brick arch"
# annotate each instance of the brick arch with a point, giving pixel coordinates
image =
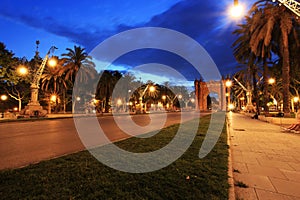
(203, 89)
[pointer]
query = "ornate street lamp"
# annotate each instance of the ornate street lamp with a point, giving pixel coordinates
(34, 108)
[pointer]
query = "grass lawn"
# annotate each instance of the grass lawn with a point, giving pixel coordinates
(81, 176)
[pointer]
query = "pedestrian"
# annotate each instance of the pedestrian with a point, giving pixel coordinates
(295, 127)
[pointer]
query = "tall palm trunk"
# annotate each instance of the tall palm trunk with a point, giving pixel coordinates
(255, 91)
(286, 74)
(265, 85)
(107, 97)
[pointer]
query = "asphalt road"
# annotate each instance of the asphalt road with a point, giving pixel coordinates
(24, 143)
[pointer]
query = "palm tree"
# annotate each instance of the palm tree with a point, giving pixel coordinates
(74, 61)
(106, 86)
(53, 82)
(275, 30)
(77, 65)
(245, 56)
(269, 29)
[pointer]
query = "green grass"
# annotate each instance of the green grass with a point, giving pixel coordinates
(81, 176)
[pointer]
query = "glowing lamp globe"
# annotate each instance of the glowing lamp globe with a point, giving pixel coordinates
(236, 11)
(22, 70)
(152, 89)
(52, 62)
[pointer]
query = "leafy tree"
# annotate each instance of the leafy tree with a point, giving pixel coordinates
(15, 85)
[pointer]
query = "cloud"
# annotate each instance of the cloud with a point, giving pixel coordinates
(198, 19)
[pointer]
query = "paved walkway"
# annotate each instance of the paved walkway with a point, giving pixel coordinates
(265, 159)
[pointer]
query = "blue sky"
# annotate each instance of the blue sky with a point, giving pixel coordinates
(88, 23)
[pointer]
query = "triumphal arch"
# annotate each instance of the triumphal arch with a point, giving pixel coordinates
(213, 89)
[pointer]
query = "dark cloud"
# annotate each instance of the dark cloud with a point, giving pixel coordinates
(197, 19)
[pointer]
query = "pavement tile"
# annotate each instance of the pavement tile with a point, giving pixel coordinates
(241, 167)
(295, 166)
(245, 193)
(255, 154)
(274, 163)
(267, 159)
(286, 187)
(255, 181)
(292, 175)
(265, 171)
(283, 158)
(267, 195)
(236, 152)
(243, 159)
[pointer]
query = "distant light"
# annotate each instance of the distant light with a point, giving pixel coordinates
(119, 102)
(192, 100)
(180, 96)
(152, 89)
(228, 83)
(78, 98)
(164, 97)
(231, 106)
(236, 11)
(4, 97)
(52, 62)
(53, 98)
(296, 99)
(15, 109)
(22, 70)
(271, 80)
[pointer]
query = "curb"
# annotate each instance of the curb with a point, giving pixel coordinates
(231, 193)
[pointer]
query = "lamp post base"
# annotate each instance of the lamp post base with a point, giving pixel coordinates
(33, 111)
(250, 108)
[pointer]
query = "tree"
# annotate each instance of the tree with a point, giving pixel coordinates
(245, 56)
(106, 86)
(77, 64)
(271, 29)
(53, 82)
(281, 31)
(16, 86)
(74, 60)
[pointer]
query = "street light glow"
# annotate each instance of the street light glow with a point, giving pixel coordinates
(296, 99)
(231, 106)
(152, 89)
(271, 80)
(4, 97)
(228, 83)
(236, 11)
(119, 102)
(22, 70)
(52, 62)
(53, 98)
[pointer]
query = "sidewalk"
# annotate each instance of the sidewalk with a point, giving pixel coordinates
(266, 161)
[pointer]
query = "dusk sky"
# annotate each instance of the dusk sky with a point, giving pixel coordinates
(88, 23)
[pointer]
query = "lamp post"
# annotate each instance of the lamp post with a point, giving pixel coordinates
(294, 101)
(34, 108)
(3, 98)
(228, 85)
(164, 97)
(151, 89)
